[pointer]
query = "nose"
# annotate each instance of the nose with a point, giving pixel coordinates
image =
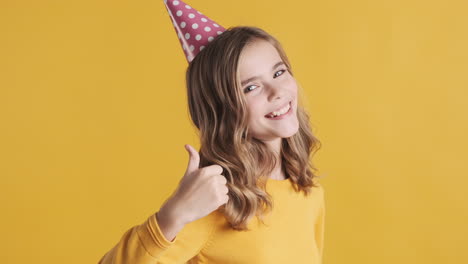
(276, 92)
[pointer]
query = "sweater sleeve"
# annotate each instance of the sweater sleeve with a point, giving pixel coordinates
(145, 243)
(320, 225)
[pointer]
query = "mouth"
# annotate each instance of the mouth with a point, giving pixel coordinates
(280, 113)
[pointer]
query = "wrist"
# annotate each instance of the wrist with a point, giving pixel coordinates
(169, 214)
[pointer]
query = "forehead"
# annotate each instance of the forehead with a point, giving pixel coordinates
(257, 58)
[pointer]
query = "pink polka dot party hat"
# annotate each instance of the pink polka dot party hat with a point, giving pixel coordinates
(194, 29)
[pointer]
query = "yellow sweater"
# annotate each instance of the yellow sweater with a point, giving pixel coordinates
(295, 234)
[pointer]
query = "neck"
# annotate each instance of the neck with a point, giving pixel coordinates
(278, 174)
(275, 146)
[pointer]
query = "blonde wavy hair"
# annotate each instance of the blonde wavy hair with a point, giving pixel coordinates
(217, 108)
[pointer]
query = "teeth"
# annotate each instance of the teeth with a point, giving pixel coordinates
(281, 111)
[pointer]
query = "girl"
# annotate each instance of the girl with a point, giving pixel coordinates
(254, 160)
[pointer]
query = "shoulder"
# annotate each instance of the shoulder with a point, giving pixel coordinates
(319, 189)
(201, 229)
(318, 185)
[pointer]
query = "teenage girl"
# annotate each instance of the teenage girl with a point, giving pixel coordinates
(254, 160)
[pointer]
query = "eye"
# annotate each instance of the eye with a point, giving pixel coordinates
(282, 71)
(246, 90)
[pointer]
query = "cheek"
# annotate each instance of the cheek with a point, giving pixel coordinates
(292, 84)
(255, 111)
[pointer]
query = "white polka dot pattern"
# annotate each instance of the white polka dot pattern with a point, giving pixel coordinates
(189, 22)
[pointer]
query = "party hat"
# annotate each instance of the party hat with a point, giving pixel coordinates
(194, 29)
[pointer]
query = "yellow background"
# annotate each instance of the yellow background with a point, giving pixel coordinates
(93, 121)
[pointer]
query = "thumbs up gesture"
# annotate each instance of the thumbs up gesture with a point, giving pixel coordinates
(200, 191)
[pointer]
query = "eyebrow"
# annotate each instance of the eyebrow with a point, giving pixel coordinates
(256, 77)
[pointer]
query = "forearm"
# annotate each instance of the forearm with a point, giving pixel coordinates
(169, 224)
(143, 244)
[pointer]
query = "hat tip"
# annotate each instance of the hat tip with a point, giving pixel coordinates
(193, 29)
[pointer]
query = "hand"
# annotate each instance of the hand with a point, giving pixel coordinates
(200, 191)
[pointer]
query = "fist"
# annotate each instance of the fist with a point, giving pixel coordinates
(201, 190)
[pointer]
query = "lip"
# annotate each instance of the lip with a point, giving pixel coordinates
(281, 107)
(285, 115)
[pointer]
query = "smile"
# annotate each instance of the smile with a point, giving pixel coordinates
(282, 112)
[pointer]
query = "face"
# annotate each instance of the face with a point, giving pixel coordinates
(268, 87)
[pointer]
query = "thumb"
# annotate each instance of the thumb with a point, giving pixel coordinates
(194, 159)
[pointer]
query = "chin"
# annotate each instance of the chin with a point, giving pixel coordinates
(290, 134)
(286, 133)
